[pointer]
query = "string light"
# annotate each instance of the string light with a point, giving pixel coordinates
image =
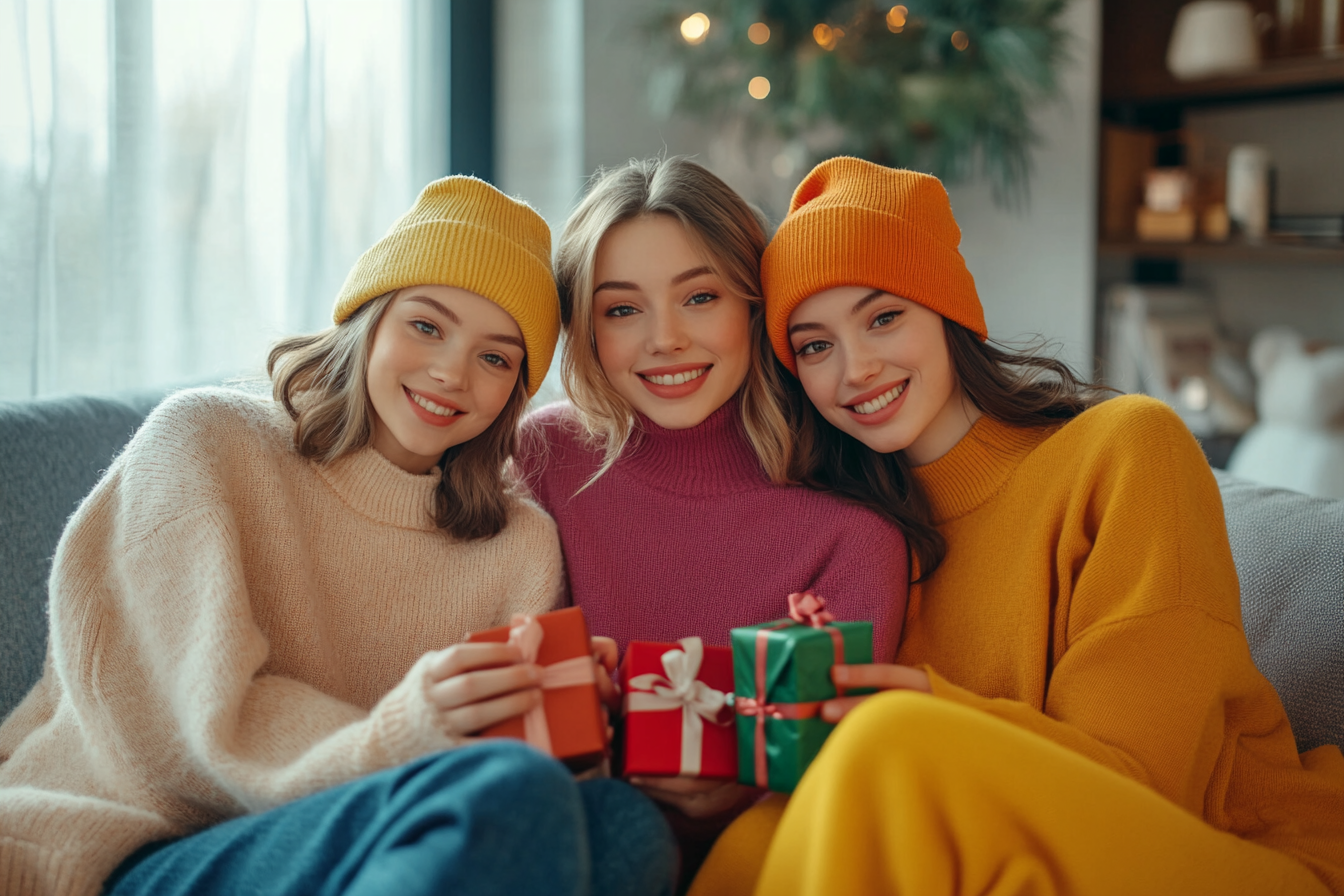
(960, 40)
(896, 17)
(695, 28)
(758, 33)
(826, 36)
(759, 88)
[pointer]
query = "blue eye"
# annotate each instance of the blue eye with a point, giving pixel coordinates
(885, 318)
(425, 327)
(496, 360)
(701, 298)
(620, 311)
(812, 348)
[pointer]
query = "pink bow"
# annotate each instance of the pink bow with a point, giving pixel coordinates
(808, 609)
(527, 634)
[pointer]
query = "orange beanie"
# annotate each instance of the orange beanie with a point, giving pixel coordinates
(855, 223)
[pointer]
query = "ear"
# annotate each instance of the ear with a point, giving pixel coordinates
(1272, 345)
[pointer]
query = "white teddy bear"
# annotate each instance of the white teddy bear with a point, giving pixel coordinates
(1298, 442)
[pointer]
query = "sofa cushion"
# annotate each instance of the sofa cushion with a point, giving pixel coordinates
(52, 451)
(1289, 551)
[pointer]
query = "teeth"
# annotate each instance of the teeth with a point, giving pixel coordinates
(433, 408)
(881, 401)
(675, 379)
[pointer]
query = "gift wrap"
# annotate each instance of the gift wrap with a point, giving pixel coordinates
(568, 723)
(782, 673)
(676, 719)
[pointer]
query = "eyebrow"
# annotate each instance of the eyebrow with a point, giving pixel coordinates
(452, 316)
(634, 287)
(858, 306)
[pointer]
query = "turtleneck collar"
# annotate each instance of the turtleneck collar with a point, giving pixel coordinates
(377, 488)
(977, 467)
(711, 458)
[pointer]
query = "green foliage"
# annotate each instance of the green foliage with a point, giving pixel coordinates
(909, 98)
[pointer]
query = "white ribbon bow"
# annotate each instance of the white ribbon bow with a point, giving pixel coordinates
(698, 701)
(527, 634)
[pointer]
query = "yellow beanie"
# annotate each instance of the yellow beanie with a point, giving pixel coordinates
(463, 232)
(854, 223)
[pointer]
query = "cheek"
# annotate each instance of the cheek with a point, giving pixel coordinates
(817, 384)
(615, 346)
(728, 335)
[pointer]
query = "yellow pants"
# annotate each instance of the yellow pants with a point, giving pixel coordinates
(917, 795)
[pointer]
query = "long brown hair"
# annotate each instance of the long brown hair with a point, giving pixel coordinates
(321, 380)
(730, 233)
(1016, 388)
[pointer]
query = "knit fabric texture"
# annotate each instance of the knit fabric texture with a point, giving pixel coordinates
(1089, 596)
(855, 223)
(463, 232)
(685, 535)
(233, 627)
(1291, 569)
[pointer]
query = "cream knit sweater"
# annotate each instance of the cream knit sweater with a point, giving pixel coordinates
(234, 627)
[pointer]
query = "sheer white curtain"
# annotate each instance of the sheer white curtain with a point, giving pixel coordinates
(183, 183)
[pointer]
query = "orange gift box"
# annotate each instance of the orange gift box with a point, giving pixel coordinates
(568, 725)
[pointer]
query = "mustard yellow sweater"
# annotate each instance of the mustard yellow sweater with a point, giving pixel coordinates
(1089, 596)
(234, 627)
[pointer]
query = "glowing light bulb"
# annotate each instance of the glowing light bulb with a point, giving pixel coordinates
(824, 35)
(758, 33)
(759, 88)
(960, 40)
(896, 17)
(695, 28)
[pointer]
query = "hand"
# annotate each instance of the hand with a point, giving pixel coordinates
(476, 685)
(694, 797)
(883, 676)
(604, 655)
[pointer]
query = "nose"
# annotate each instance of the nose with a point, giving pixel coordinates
(448, 367)
(861, 367)
(667, 334)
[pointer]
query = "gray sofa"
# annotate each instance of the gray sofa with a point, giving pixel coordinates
(1289, 551)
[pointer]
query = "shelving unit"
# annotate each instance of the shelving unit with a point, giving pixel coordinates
(1232, 252)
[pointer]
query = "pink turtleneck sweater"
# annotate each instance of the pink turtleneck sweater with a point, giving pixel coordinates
(685, 535)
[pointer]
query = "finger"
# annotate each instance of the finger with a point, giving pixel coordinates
(477, 655)
(482, 684)
(606, 689)
(679, 784)
(834, 710)
(604, 651)
(880, 675)
(476, 717)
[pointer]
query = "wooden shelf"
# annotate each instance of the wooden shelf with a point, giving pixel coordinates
(1232, 252)
(1275, 79)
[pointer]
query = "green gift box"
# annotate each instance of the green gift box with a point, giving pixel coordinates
(782, 674)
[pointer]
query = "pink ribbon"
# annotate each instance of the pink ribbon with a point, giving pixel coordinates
(805, 608)
(526, 634)
(680, 689)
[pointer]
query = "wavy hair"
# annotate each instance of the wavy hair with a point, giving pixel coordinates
(1016, 388)
(731, 235)
(321, 380)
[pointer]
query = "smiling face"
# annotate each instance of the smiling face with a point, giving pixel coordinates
(672, 339)
(877, 367)
(443, 364)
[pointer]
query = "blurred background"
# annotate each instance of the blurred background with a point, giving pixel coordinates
(1155, 188)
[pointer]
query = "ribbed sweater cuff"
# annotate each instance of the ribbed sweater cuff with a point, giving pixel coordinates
(404, 726)
(68, 869)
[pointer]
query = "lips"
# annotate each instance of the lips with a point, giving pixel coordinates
(435, 413)
(878, 405)
(677, 381)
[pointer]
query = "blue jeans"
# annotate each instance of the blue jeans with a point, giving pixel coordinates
(496, 817)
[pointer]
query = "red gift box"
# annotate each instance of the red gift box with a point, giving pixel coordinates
(568, 724)
(676, 722)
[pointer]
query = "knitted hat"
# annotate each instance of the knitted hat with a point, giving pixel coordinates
(463, 232)
(854, 223)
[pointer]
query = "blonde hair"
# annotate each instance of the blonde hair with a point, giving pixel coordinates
(730, 233)
(321, 380)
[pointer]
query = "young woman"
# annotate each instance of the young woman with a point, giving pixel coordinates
(667, 473)
(1075, 707)
(254, 681)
